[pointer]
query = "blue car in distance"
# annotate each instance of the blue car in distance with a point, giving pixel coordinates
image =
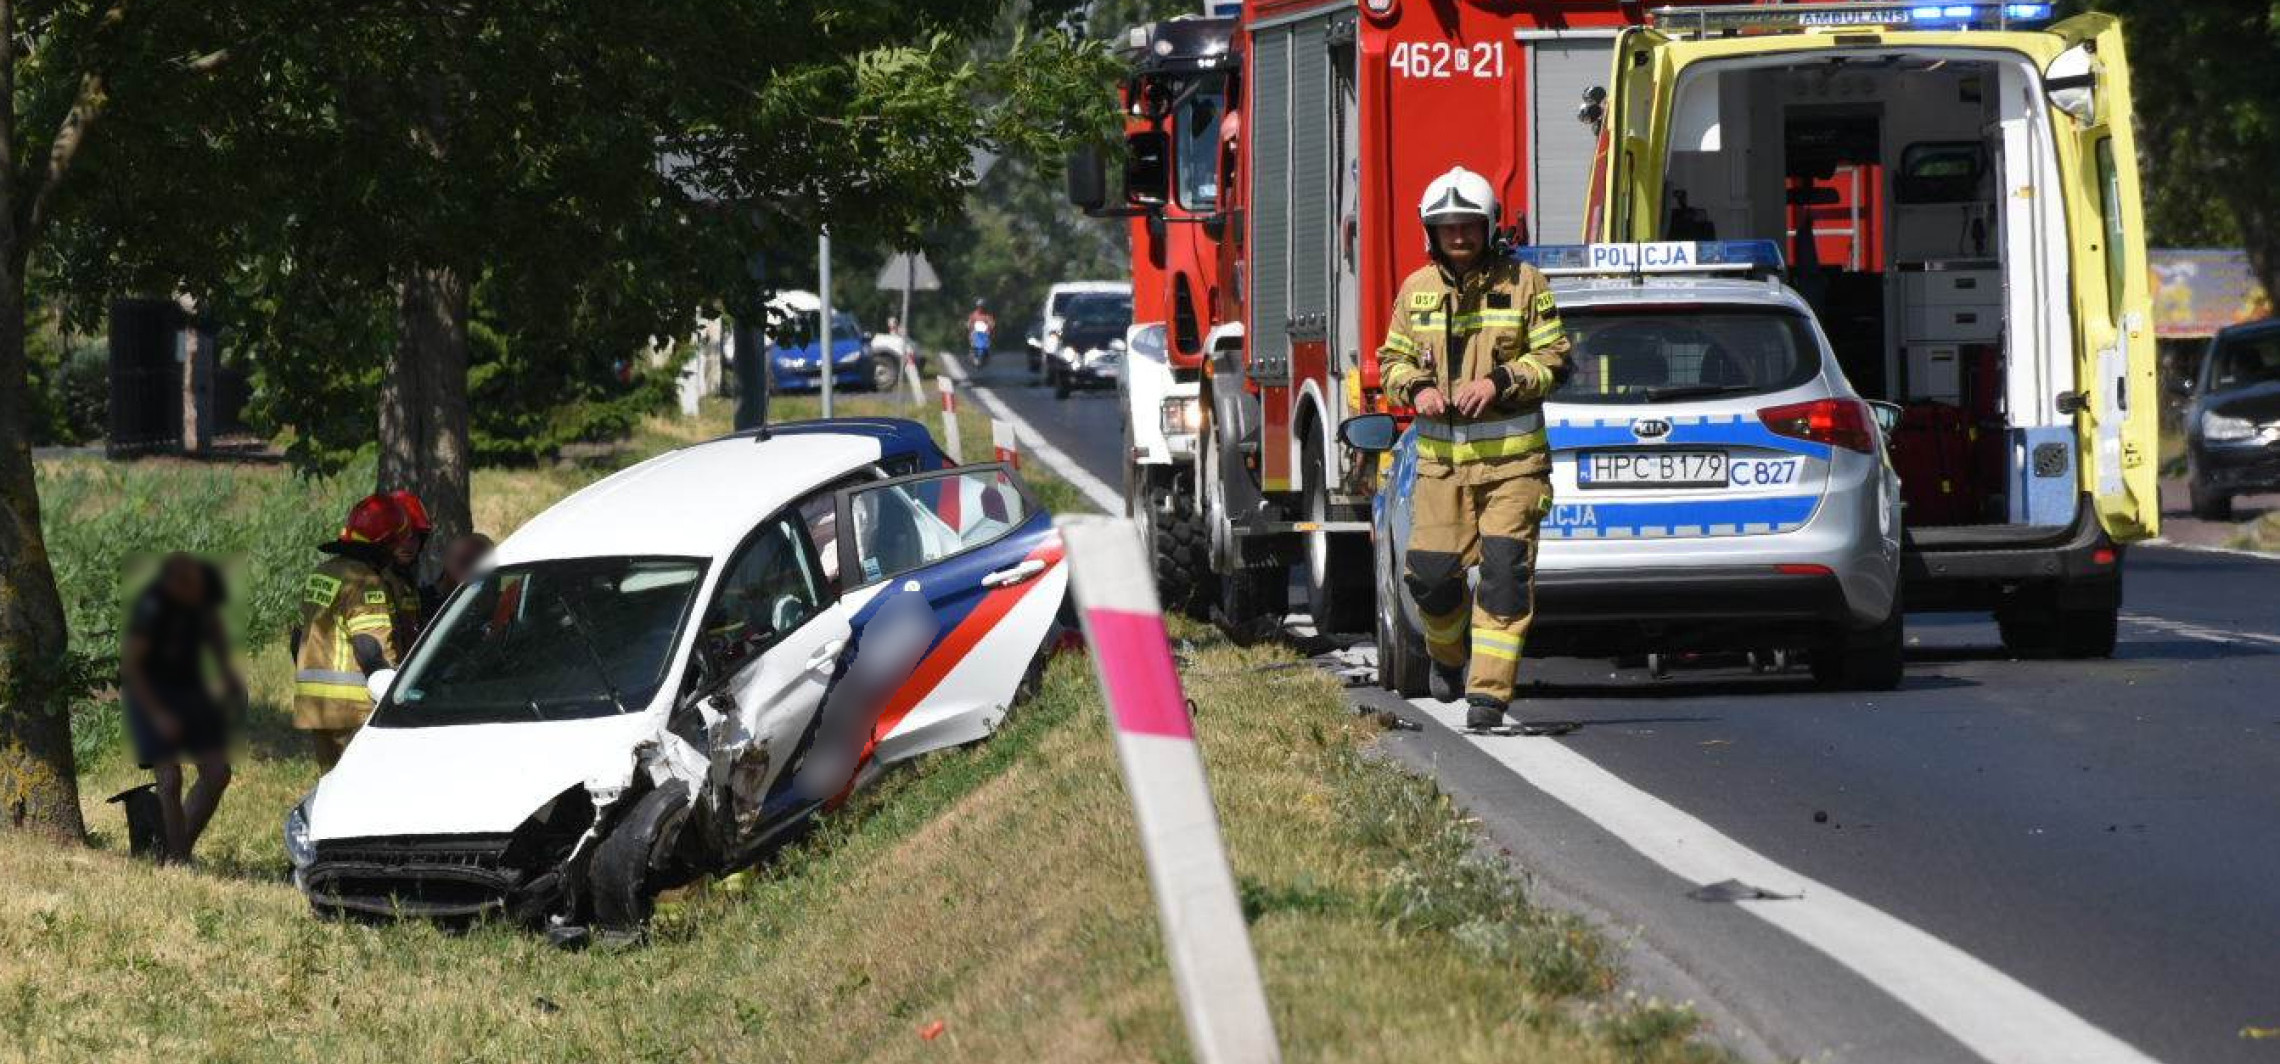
(795, 346)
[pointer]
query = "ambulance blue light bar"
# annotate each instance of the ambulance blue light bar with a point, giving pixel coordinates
(1631, 260)
(1776, 17)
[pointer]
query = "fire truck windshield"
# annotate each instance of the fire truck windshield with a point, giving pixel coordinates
(1197, 155)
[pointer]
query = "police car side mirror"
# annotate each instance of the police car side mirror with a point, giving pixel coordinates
(1370, 433)
(1887, 415)
(378, 683)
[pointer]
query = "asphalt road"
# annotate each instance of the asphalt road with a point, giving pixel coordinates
(2100, 837)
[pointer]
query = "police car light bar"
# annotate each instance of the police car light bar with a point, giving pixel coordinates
(1633, 260)
(1738, 18)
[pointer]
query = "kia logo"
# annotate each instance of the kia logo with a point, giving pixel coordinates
(1650, 428)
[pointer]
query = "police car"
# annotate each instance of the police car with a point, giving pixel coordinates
(1717, 484)
(665, 673)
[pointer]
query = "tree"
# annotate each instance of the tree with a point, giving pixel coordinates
(2204, 76)
(338, 179)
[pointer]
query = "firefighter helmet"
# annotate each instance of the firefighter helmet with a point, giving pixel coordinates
(1457, 195)
(376, 519)
(415, 511)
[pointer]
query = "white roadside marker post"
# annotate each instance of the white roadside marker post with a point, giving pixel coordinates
(1221, 997)
(950, 439)
(1004, 445)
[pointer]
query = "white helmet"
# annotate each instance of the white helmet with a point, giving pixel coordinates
(1460, 193)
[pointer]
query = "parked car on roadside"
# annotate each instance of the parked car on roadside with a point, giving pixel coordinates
(1717, 483)
(795, 348)
(2232, 425)
(669, 672)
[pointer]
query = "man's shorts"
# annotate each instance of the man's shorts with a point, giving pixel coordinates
(204, 728)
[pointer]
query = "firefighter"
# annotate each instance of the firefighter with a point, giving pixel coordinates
(1474, 346)
(349, 613)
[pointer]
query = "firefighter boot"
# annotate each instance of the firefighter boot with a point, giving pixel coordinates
(1483, 712)
(1447, 682)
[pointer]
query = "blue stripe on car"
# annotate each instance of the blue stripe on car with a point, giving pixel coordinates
(1644, 520)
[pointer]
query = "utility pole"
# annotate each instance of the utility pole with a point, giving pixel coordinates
(823, 295)
(910, 281)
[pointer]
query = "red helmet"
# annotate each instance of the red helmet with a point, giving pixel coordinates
(414, 510)
(376, 519)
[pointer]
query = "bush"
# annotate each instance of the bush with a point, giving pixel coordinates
(70, 389)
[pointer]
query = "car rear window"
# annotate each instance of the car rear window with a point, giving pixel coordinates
(1661, 354)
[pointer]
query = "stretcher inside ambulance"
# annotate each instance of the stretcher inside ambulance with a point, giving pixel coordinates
(1955, 188)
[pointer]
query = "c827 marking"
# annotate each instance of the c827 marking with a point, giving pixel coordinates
(1763, 472)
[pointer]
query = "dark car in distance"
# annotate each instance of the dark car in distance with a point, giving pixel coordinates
(2232, 426)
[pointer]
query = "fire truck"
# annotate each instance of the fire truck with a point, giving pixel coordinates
(1325, 122)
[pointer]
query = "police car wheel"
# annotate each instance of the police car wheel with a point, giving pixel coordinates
(1402, 662)
(1873, 660)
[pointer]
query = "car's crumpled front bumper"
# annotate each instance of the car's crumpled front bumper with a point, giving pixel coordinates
(459, 875)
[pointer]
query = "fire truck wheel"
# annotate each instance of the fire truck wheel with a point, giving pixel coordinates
(1338, 572)
(1181, 549)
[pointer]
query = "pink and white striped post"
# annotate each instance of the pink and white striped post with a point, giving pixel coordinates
(1004, 445)
(1221, 997)
(951, 440)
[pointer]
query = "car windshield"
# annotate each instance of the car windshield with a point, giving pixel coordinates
(1643, 356)
(558, 640)
(1098, 313)
(2246, 360)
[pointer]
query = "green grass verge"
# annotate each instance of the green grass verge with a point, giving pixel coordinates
(997, 890)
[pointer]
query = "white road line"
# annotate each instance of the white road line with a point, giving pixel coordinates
(1991, 1013)
(2201, 548)
(2202, 632)
(1109, 500)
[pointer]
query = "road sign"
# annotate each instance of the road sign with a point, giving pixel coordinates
(909, 271)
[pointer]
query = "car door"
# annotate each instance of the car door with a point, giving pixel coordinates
(773, 631)
(969, 584)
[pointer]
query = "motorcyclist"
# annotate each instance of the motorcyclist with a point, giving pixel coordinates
(980, 325)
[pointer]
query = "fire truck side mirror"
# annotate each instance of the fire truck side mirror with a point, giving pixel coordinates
(1148, 168)
(1088, 181)
(1369, 433)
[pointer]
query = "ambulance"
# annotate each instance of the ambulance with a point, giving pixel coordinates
(1955, 189)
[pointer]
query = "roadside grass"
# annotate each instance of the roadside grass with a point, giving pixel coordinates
(997, 891)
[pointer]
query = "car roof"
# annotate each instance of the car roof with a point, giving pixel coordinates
(2248, 328)
(1080, 287)
(1665, 290)
(697, 501)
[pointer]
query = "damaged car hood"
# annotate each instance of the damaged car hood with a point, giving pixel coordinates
(470, 779)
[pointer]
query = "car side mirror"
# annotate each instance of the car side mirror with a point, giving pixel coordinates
(1887, 415)
(378, 683)
(1370, 433)
(1088, 179)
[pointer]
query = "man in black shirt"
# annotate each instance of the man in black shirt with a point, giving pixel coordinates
(172, 714)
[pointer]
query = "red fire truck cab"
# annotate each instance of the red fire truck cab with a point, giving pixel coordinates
(1337, 114)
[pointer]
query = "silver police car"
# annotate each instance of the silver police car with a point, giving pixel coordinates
(1717, 484)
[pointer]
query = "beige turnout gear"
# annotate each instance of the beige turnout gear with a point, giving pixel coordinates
(344, 598)
(1483, 483)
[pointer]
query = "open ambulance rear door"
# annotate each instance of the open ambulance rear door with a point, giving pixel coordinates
(2086, 95)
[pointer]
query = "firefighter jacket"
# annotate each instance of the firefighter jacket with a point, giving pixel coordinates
(1499, 324)
(344, 598)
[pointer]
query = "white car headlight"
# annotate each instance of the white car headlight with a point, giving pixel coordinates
(300, 849)
(2218, 428)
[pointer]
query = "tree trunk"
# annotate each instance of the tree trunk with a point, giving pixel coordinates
(39, 784)
(423, 401)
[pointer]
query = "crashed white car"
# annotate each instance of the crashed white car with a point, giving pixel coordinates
(671, 670)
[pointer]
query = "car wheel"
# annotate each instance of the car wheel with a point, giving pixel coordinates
(1061, 385)
(1339, 582)
(629, 867)
(886, 372)
(2209, 504)
(1874, 660)
(1401, 652)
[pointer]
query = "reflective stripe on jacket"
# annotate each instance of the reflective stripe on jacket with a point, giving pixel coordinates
(344, 598)
(1499, 323)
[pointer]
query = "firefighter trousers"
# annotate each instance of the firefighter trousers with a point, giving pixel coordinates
(1454, 525)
